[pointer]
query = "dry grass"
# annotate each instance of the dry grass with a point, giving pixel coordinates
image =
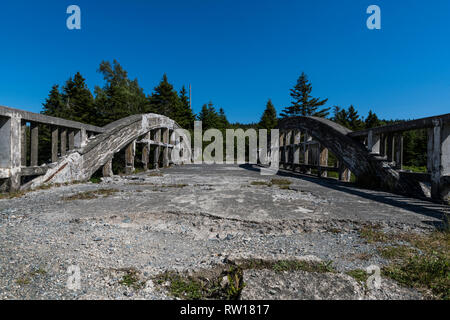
(87, 195)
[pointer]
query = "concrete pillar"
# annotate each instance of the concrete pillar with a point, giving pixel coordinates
(383, 145)
(157, 139)
(344, 173)
(439, 161)
(296, 155)
(54, 144)
(107, 169)
(63, 141)
(130, 152)
(323, 161)
(166, 147)
(373, 143)
(34, 128)
(10, 146)
(281, 148)
(307, 151)
(146, 152)
(23, 145)
(71, 139)
(80, 138)
(398, 151)
(390, 147)
(287, 150)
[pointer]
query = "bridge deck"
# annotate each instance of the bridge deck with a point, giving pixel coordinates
(190, 218)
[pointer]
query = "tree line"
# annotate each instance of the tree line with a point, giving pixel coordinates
(121, 96)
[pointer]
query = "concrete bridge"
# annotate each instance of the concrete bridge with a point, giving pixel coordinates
(78, 150)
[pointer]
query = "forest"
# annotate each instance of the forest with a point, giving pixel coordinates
(121, 96)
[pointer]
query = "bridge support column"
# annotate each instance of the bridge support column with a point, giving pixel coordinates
(130, 152)
(80, 138)
(23, 145)
(54, 144)
(307, 151)
(398, 151)
(323, 161)
(146, 152)
(63, 139)
(107, 169)
(373, 143)
(34, 128)
(71, 140)
(157, 139)
(281, 149)
(10, 145)
(390, 148)
(296, 155)
(287, 150)
(166, 147)
(439, 161)
(344, 173)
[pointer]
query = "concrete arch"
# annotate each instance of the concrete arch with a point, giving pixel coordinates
(81, 164)
(367, 168)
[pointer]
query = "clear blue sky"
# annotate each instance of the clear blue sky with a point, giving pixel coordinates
(237, 53)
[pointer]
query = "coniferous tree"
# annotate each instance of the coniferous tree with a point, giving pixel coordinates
(184, 115)
(371, 121)
(269, 117)
(78, 100)
(303, 103)
(54, 105)
(164, 100)
(348, 118)
(223, 121)
(120, 97)
(209, 117)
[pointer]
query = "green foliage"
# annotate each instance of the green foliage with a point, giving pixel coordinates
(303, 103)
(269, 117)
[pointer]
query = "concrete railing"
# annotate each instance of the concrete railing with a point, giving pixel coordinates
(304, 145)
(20, 140)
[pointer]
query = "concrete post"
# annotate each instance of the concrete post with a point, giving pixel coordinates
(130, 152)
(10, 145)
(344, 173)
(287, 150)
(107, 169)
(80, 138)
(390, 147)
(54, 144)
(146, 152)
(296, 160)
(398, 151)
(157, 140)
(373, 143)
(439, 161)
(71, 139)
(323, 161)
(166, 147)
(307, 151)
(34, 144)
(23, 145)
(281, 148)
(63, 139)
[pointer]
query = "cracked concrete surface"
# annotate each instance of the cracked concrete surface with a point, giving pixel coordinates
(191, 218)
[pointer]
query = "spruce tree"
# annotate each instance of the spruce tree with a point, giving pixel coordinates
(54, 105)
(184, 115)
(78, 100)
(209, 117)
(303, 103)
(120, 97)
(164, 100)
(371, 121)
(269, 117)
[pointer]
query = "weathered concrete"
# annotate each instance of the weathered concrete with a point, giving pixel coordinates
(194, 217)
